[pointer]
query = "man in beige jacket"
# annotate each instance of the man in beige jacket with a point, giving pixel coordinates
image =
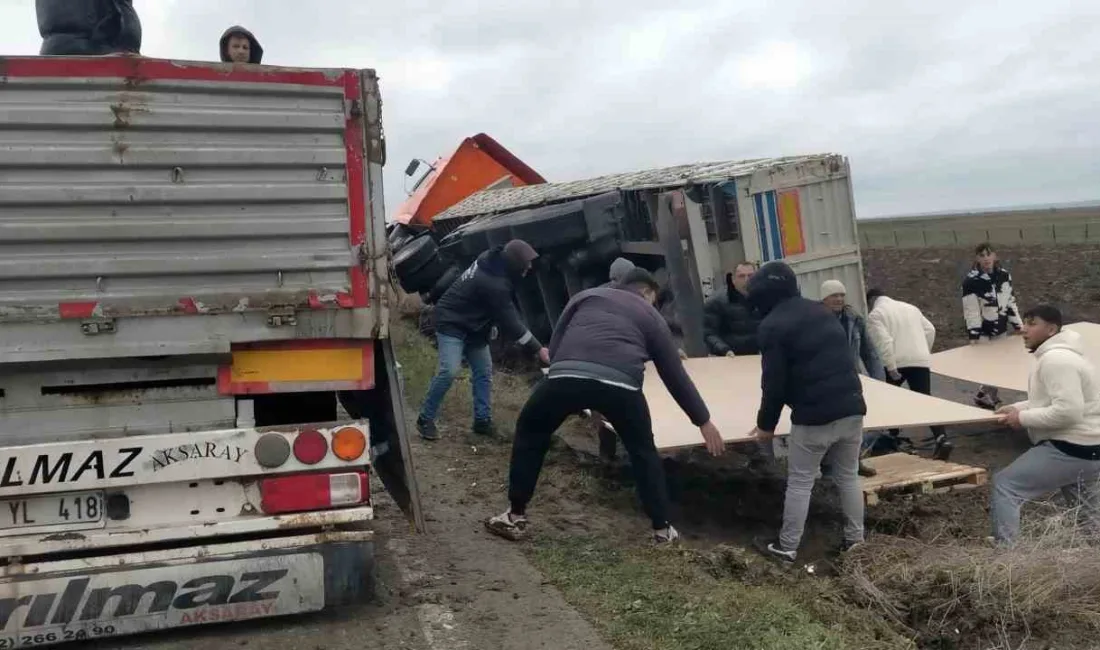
(1062, 418)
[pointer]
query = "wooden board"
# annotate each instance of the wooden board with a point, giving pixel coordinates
(909, 473)
(731, 389)
(1005, 363)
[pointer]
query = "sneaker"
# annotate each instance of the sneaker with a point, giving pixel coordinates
(942, 448)
(666, 535)
(772, 551)
(427, 429)
(508, 526)
(987, 397)
(484, 428)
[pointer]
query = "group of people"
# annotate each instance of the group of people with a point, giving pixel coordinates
(812, 353)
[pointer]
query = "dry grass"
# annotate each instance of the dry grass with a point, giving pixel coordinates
(954, 595)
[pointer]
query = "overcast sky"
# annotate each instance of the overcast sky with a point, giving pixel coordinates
(939, 104)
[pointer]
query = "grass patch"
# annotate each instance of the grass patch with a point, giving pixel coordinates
(646, 598)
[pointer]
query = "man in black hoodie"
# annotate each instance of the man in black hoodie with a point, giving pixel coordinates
(464, 316)
(238, 45)
(807, 365)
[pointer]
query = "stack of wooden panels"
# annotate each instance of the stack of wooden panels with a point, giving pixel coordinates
(731, 389)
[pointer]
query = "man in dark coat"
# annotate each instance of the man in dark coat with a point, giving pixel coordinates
(729, 324)
(88, 27)
(806, 365)
(479, 299)
(238, 45)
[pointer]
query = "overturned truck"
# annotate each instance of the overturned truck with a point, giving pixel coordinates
(689, 224)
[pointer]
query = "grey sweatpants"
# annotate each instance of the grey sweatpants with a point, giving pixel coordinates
(1038, 472)
(838, 443)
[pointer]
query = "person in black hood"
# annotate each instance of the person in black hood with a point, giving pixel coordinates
(807, 364)
(238, 45)
(464, 316)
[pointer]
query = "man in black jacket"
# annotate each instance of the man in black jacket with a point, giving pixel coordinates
(807, 365)
(729, 323)
(464, 316)
(598, 354)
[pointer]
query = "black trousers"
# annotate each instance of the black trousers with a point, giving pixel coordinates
(556, 399)
(920, 381)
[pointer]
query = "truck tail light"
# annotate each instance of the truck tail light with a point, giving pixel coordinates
(349, 443)
(307, 492)
(310, 447)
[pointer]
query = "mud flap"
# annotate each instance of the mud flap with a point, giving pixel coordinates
(384, 407)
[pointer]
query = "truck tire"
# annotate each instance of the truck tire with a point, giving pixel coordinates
(399, 236)
(443, 283)
(424, 278)
(414, 255)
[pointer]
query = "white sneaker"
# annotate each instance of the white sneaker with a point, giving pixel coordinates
(666, 535)
(508, 526)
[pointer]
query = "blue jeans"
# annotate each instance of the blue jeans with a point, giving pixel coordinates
(451, 351)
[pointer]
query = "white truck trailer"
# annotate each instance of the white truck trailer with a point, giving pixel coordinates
(196, 380)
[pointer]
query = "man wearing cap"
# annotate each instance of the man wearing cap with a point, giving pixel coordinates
(834, 296)
(464, 316)
(598, 353)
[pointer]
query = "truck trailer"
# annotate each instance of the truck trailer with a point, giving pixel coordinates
(197, 387)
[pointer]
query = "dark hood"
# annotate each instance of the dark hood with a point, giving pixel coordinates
(257, 51)
(771, 285)
(494, 263)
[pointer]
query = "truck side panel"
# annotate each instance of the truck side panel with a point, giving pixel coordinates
(135, 189)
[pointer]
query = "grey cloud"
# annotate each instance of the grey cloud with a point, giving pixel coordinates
(939, 103)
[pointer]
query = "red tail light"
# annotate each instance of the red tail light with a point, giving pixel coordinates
(306, 492)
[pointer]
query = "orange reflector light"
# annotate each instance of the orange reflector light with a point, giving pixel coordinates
(349, 443)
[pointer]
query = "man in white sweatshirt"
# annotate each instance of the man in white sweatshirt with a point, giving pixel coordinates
(903, 338)
(1062, 418)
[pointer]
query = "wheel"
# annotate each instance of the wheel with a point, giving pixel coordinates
(411, 257)
(425, 277)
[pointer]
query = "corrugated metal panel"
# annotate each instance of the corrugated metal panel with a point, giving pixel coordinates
(494, 201)
(138, 197)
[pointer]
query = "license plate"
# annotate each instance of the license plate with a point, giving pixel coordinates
(76, 509)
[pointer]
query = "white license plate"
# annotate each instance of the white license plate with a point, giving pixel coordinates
(74, 509)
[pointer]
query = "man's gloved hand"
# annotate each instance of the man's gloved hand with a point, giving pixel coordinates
(544, 356)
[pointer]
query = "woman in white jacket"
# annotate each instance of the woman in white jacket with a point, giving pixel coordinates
(1062, 417)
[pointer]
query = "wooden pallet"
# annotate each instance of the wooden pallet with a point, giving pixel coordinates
(913, 474)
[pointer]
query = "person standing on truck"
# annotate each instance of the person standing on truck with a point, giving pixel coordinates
(806, 364)
(464, 316)
(903, 337)
(598, 354)
(238, 45)
(989, 308)
(729, 323)
(1062, 418)
(834, 296)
